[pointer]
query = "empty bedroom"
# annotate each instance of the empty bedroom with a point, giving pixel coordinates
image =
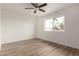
(39, 29)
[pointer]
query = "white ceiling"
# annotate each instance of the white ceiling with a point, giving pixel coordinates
(50, 8)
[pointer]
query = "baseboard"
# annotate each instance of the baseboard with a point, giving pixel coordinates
(57, 44)
(16, 41)
(50, 42)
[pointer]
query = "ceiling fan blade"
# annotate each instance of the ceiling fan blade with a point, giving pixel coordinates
(45, 4)
(34, 5)
(35, 11)
(42, 10)
(29, 8)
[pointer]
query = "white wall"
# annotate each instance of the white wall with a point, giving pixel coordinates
(0, 25)
(71, 35)
(16, 26)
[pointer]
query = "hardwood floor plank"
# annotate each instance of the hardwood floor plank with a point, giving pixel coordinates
(37, 47)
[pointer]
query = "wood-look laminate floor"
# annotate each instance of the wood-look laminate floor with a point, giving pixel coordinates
(37, 47)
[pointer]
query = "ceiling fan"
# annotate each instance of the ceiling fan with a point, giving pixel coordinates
(37, 7)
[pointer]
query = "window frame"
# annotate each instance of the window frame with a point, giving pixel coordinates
(53, 30)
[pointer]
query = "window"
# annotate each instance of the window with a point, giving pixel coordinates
(54, 24)
(48, 25)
